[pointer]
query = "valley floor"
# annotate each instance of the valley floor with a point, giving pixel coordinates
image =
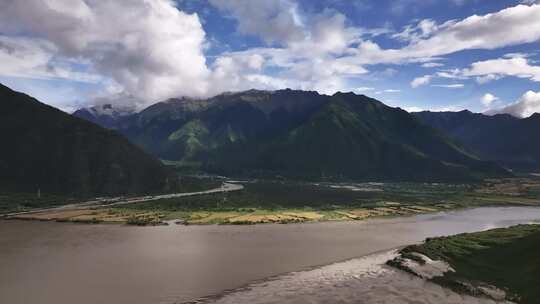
(283, 202)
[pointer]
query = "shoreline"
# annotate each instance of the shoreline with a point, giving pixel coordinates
(244, 287)
(481, 264)
(402, 259)
(264, 202)
(403, 262)
(86, 216)
(369, 271)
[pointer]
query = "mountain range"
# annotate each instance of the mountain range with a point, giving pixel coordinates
(510, 141)
(105, 115)
(47, 150)
(300, 134)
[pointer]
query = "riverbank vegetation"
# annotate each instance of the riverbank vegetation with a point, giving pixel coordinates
(292, 202)
(12, 202)
(506, 258)
(20, 202)
(286, 201)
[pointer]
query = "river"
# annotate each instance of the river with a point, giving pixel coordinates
(46, 262)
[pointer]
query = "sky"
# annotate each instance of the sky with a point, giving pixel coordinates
(440, 55)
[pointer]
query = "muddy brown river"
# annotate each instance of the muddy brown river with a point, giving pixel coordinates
(46, 262)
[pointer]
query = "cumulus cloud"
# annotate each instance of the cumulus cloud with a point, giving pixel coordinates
(322, 73)
(530, 1)
(273, 21)
(281, 23)
(149, 48)
(415, 32)
(525, 106)
(35, 58)
(420, 81)
(516, 65)
(319, 51)
(511, 26)
(487, 78)
(497, 68)
(446, 74)
(306, 50)
(235, 71)
(488, 99)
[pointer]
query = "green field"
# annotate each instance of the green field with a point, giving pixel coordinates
(508, 258)
(327, 201)
(19, 202)
(287, 201)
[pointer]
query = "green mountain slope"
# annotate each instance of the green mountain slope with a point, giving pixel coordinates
(306, 135)
(505, 139)
(352, 136)
(47, 149)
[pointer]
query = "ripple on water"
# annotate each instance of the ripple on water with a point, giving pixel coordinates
(362, 280)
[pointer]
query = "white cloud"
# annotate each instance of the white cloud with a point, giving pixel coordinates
(150, 50)
(447, 74)
(391, 91)
(324, 39)
(415, 32)
(148, 47)
(307, 50)
(487, 78)
(364, 89)
(525, 106)
(488, 99)
(236, 72)
(413, 109)
(496, 68)
(432, 65)
(449, 86)
(302, 36)
(517, 55)
(530, 1)
(274, 21)
(280, 22)
(34, 58)
(511, 26)
(451, 74)
(515, 64)
(420, 81)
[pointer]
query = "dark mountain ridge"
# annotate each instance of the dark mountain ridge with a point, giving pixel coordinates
(510, 141)
(47, 149)
(303, 135)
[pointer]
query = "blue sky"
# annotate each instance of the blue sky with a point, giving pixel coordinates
(416, 54)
